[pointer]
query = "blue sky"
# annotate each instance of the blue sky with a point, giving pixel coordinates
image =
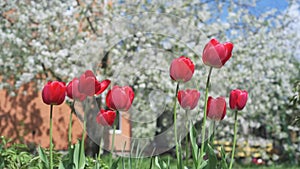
(264, 5)
(259, 8)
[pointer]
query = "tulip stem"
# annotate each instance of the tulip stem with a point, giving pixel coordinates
(175, 127)
(204, 114)
(101, 136)
(70, 124)
(234, 139)
(84, 131)
(187, 145)
(212, 132)
(51, 144)
(113, 142)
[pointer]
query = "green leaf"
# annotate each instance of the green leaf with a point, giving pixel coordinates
(168, 162)
(160, 163)
(81, 160)
(180, 165)
(68, 159)
(76, 155)
(61, 165)
(203, 164)
(157, 162)
(224, 164)
(195, 148)
(115, 164)
(150, 167)
(34, 168)
(43, 157)
(212, 158)
(96, 166)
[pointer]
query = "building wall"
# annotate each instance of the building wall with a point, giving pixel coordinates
(25, 119)
(122, 140)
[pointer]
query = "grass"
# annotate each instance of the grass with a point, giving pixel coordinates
(267, 167)
(144, 163)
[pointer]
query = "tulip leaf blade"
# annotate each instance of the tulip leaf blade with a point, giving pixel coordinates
(115, 164)
(212, 158)
(224, 164)
(43, 157)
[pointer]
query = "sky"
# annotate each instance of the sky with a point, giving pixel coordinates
(264, 5)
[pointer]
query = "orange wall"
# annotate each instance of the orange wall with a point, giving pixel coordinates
(122, 140)
(25, 118)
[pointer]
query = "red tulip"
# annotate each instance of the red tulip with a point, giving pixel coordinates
(188, 99)
(103, 85)
(120, 98)
(216, 54)
(54, 93)
(216, 108)
(182, 69)
(89, 85)
(73, 92)
(238, 99)
(106, 117)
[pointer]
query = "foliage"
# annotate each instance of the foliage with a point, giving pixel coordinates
(17, 156)
(295, 104)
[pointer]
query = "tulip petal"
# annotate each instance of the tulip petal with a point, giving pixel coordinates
(242, 100)
(88, 83)
(103, 85)
(89, 73)
(188, 99)
(106, 117)
(73, 91)
(216, 108)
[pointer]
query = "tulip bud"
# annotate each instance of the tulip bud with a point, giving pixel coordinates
(188, 99)
(238, 99)
(216, 54)
(182, 69)
(120, 98)
(54, 93)
(216, 108)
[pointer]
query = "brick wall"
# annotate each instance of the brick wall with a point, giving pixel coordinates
(25, 119)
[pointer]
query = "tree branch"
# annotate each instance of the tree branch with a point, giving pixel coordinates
(89, 19)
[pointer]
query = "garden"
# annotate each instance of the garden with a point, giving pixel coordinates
(149, 84)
